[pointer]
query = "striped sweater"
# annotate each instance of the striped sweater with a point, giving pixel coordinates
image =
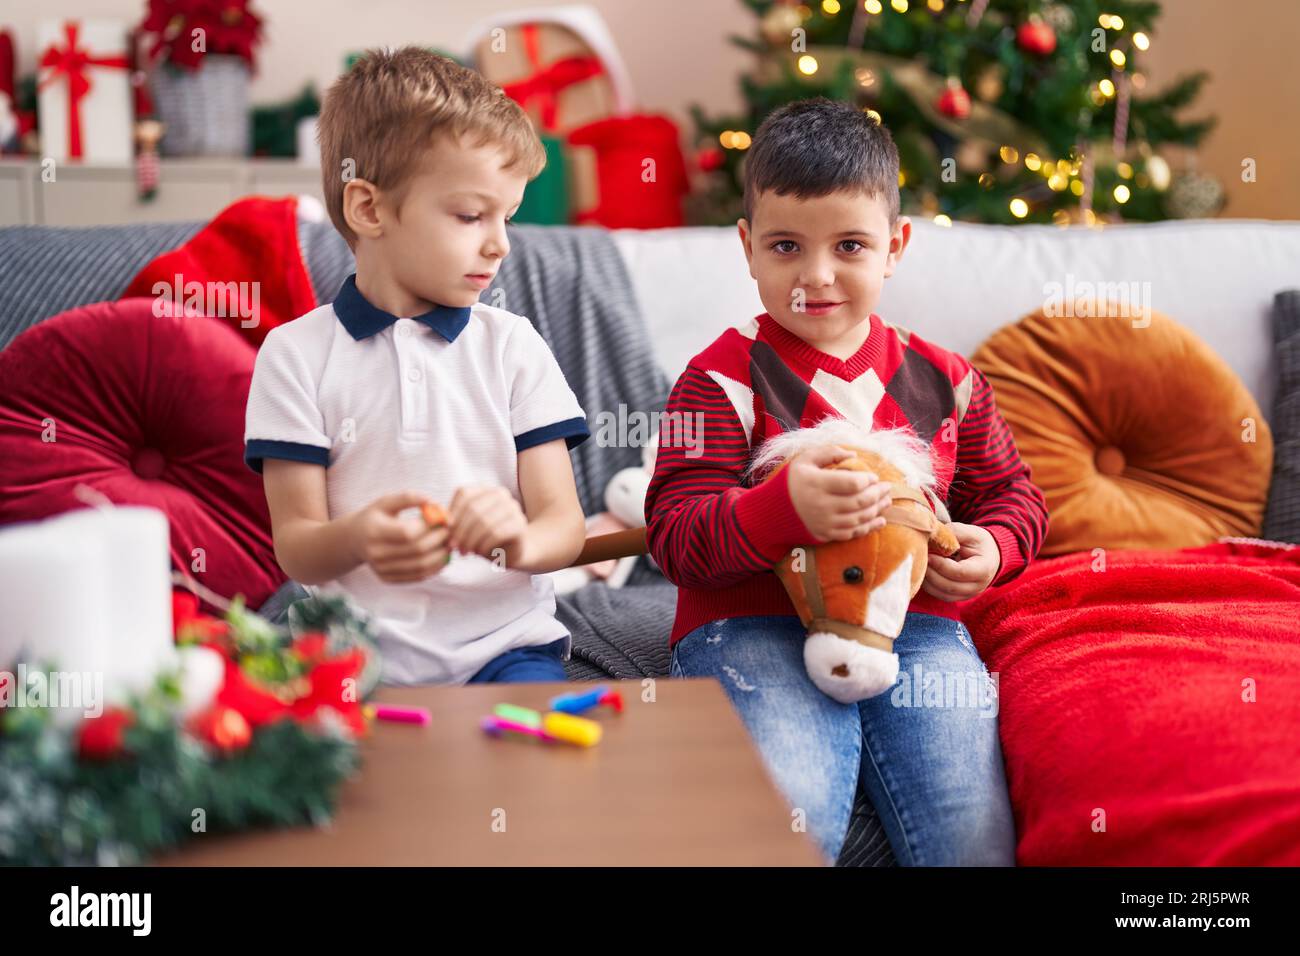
(717, 538)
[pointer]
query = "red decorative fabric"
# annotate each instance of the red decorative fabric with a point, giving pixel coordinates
(1149, 705)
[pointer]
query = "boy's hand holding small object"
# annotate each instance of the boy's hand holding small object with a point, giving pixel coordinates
(398, 550)
(836, 505)
(484, 519)
(967, 572)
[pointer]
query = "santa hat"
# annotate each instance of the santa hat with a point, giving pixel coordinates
(253, 240)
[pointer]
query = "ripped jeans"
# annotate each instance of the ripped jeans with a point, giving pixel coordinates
(926, 751)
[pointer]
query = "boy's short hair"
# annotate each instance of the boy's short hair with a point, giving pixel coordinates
(817, 146)
(384, 112)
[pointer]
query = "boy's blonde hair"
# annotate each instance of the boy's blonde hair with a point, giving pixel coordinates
(383, 114)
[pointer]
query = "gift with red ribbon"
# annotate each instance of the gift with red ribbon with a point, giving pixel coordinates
(84, 92)
(546, 82)
(550, 71)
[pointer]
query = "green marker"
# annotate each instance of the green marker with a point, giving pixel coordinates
(520, 715)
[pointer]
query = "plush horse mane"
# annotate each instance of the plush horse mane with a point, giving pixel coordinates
(898, 446)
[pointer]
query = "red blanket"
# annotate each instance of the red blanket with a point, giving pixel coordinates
(1150, 705)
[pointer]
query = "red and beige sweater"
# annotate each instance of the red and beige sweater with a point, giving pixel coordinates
(717, 538)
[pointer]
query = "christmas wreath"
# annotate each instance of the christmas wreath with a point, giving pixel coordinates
(255, 727)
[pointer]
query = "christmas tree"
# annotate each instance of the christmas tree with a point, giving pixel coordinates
(1004, 111)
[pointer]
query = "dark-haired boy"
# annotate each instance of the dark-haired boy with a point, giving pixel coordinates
(822, 232)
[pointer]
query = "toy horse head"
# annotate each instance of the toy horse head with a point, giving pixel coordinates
(852, 596)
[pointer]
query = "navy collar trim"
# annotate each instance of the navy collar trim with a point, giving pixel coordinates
(363, 320)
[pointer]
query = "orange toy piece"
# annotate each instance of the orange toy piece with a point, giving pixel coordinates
(435, 516)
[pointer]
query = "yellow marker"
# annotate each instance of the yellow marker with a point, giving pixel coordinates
(571, 729)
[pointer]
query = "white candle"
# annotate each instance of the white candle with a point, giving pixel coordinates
(52, 595)
(89, 591)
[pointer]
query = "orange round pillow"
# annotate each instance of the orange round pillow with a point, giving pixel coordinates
(1139, 435)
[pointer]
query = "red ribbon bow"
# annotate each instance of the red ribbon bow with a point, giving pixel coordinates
(546, 83)
(72, 61)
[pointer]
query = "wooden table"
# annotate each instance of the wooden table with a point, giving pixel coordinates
(675, 781)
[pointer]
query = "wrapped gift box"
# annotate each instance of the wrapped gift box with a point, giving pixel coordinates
(84, 99)
(611, 177)
(550, 71)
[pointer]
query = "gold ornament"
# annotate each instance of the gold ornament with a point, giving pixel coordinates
(779, 22)
(1195, 196)
(988, 85)
(1158, 170)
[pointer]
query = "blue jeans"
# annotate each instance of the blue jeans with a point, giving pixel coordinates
(524, 665)
(927, 750)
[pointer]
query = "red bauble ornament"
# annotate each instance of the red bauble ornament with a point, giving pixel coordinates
(101, 737)
(311, 647)
(223, 727)
(191, 624)
(954, 101)
(1036, 37)
(709, 159)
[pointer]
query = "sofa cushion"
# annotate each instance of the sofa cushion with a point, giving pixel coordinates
(146, 410)
(1137, 433)
(1282, 520)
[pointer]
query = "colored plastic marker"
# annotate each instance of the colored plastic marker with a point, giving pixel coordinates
(519, 715)
(574, 730)
(496, 726)
(554, 727)
(398, 715)
(581, 703)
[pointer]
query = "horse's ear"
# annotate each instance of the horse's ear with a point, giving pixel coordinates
(942, 540)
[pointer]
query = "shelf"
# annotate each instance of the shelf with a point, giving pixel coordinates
(80, 194)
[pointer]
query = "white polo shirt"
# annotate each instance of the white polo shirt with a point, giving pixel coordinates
(427, 404)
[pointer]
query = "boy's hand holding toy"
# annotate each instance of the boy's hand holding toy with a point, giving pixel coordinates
(967, 572)
(399, 551)
(485, 518)
(836, 505)
(841, 505)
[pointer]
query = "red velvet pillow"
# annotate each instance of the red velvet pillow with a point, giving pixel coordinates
(146, 410)
(1149, 705)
